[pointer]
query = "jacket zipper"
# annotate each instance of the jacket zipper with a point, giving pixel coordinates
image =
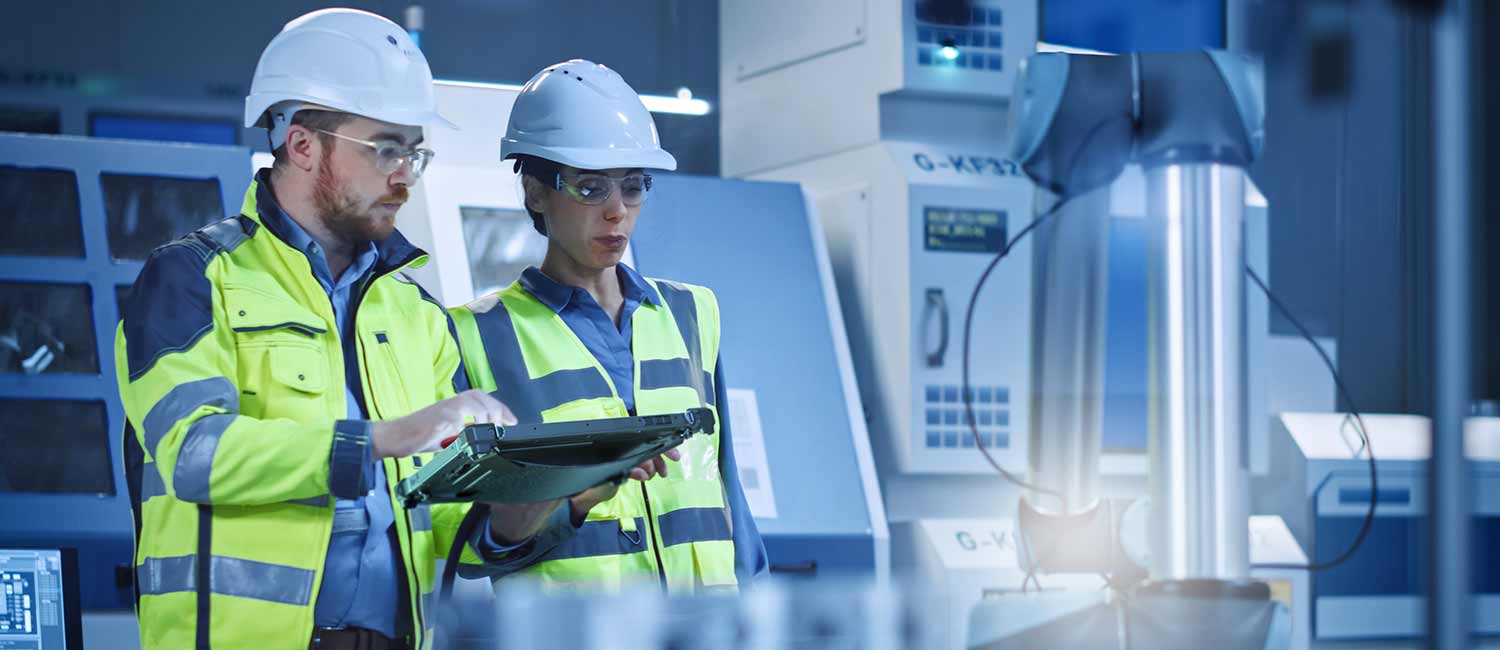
(661, 569)
(419, 618)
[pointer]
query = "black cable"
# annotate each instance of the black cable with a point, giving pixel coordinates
(968, 392)
(1364, 438)
(968, 395)
(447, 623)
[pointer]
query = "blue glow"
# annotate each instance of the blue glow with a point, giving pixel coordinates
(948, 52)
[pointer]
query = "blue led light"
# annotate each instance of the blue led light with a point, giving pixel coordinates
(948, 52)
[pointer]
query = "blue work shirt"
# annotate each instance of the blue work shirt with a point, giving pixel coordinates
(610, 345)
(361, 582)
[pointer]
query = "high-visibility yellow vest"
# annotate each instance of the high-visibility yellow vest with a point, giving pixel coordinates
(675, 530)
(232, 378)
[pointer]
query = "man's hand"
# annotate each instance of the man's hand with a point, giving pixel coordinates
(424, 429)
(580, 504)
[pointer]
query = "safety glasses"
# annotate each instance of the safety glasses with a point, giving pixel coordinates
(390, 156)
(595, 189)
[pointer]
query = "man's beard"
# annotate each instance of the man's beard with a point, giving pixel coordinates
(343, 214)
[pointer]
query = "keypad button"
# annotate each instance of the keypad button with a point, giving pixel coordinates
(986, 395)
(934, 393)
(950, 439)
(950, 417)
(934, 439)
(934, 416)
(950, 394)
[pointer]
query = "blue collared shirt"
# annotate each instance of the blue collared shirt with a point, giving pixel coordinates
(359, 576)
(611, 346)
(361, 579)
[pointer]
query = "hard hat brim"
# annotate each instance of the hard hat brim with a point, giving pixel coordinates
(592, 159)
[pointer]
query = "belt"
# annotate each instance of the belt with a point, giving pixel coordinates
(352, 638)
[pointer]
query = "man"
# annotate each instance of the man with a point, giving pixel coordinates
(585, 336)
(278, 373)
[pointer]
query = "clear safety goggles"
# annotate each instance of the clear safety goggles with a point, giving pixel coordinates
(595, 189)
(390, 155)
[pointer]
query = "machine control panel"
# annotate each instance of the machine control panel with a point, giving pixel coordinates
(948, 424)
(969, 49)
(972, 42)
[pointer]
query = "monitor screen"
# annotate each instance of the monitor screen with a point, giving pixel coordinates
(39, 599)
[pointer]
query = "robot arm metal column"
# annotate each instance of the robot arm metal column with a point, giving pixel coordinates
(1193, 120)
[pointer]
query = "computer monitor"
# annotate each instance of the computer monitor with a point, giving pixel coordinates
(39, 607)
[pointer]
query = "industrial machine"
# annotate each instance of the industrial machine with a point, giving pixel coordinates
(901, 142)
(84, 215)
(1322, 490)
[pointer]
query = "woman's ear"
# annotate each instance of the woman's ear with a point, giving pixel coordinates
(535, 194)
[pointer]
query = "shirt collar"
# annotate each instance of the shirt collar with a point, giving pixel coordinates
(556, 295)
(296, 237)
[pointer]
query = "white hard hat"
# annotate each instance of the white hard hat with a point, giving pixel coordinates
(343, 60)
(582, 114)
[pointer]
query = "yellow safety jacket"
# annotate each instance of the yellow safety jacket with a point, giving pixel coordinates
(233, 379)
(675, 530)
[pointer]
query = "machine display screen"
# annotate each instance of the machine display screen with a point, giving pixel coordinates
(964, 230)
(39, 599)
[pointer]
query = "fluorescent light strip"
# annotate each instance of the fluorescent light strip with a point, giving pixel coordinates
(654, 103)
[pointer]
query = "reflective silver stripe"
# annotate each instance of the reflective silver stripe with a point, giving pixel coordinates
(666, 373)
(602, 537)
(528, 397)
(166, 575)
(350, 520)
(261, 581)
(195, 458)
(429, 603)
(229, 576)
(151, 483)
(685, 311)
(694, 525)
(421, 518)
(181, 401)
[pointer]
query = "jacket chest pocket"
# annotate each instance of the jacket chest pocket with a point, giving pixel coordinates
(283, 353)
(400, 367)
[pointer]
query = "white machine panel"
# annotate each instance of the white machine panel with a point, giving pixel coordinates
(964, 207)
(770, 34)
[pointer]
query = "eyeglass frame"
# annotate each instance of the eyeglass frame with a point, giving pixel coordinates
(404, 160)
(561, 184)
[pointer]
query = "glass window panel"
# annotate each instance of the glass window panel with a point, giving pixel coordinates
(39, 212)
(20, 119)
(163, 128)
(55, 445)
(501, 244)
(46, 328)
(144, 212)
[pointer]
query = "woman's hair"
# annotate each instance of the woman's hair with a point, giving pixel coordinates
(543, 171)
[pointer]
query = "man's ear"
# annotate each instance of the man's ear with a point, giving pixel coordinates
(303, 147)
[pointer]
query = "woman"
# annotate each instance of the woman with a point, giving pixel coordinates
(586, 337)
